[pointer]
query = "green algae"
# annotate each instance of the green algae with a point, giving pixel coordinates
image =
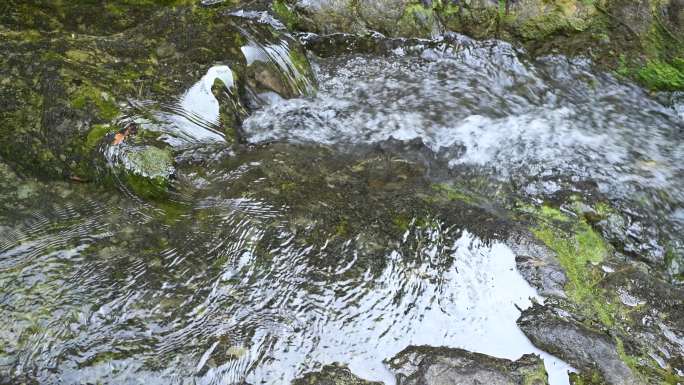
(592, 378)
(147, 171)
(151, 162)
(97, 133)
(576, 253)
(402, 222)
(147, 188)
(538, 376)
(450, 192)
(578, 248)
(85, 96)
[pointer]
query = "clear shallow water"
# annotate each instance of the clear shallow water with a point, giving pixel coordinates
(235, 280)
(107, 291)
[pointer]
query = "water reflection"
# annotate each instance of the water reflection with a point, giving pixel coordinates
(113, 291)
(195, 117)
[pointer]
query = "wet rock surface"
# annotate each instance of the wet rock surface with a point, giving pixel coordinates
(332, 375)
(655, 317)
(422, 365)
(425, 365)
(538, 264)
(584, 348)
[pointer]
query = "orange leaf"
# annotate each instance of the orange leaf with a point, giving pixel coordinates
(118, 138)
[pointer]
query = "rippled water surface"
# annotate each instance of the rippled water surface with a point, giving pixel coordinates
(267, 264)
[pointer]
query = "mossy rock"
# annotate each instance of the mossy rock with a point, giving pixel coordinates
(658, 75)
(440, 365)
(68, 80)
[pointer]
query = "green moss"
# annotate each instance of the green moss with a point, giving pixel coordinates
(417, 20)
(147, 172)
(659, 75)
(452, 193)
(96, 134)
(285, 14)
(577, 248)
(342, 228)
(536, 376)
(152, 162)
(678, 63)
(288, 187)
(304, 71)
(542, 27)
(550, 213)
(402, 222)
(592, 378)
(603, 209)
(87, 96)
(148, 188)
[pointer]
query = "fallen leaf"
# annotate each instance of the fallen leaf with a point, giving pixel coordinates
(121, 135)
(118, 138)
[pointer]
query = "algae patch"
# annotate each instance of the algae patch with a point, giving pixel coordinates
(577, 247)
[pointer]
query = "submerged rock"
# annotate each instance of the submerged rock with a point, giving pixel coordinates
(586, 349)
(374, 191)
(425, 365)
(145, 169)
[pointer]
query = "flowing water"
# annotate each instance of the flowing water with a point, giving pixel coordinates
(315, 246)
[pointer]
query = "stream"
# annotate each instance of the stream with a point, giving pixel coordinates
(316, 245)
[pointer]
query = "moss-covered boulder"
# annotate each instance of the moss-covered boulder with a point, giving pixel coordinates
(592, 352)
(72, 84)
(147, 170)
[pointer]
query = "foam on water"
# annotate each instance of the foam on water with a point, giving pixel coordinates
(482, 104)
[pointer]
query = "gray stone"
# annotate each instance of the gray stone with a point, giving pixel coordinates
(332, 375)
(537, 264)
(425, 365)
(586, 349)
